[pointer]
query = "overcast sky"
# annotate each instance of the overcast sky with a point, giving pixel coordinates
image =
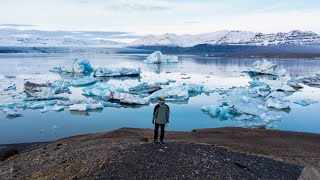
(160, 16)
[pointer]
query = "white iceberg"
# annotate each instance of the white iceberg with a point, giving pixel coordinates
(305, 102)
(104, 72)
(278, 85)
(127, 98)
(277, 103)
(78, 66)
(85, 106)
(11, 112)
(84, 81)
(143, 88)
(157, 58)
(313, 81)
(101, 89)
(263, 67)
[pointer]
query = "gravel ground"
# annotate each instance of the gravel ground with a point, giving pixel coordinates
(223, 153)
(191, 161)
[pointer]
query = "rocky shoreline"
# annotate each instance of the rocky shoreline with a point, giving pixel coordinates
(127, 153)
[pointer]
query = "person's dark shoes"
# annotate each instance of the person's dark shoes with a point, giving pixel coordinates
(155, 142)
(161, 142)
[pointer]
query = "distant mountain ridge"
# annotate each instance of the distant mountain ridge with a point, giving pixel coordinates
(227, 37)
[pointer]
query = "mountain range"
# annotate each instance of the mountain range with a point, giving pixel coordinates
(225, 37)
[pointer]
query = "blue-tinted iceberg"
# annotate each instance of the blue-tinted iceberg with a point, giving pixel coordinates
(78, 66)
(104, 72)
(10, 88)
(143, 88)
(272, 102)
(157, 58)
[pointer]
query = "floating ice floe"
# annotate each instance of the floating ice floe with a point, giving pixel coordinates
(84, 81)
(85, 107)
(110, 104)
(10, 76)
(313, 81)
(305, 102)
(157, 58)
(52, 108)
(278, 85)
(104, 72)
(40, 104)
(78, 66)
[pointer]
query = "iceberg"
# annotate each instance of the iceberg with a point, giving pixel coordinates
(110, 104)
(85, 106)
(277, 103)
(305, 102)
(263, 67)
(78, 66)
(101, 89)
(47, 91)
(127, 98)
(52, 108)
(143, 88)
(56, 69)
(84, 81)
(223, 112)
(104, 72)
(157, 58)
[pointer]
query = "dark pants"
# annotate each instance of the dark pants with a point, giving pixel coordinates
(156, 129)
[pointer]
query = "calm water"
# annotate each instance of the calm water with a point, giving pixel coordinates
(212, 72)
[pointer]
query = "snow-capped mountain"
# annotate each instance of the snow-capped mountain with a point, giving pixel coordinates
(28, 38)
(231, 38)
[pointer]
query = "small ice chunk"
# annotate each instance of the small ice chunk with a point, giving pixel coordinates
(305, 102)
(10, 76)
(104, 72)
(278, 85)
(157, 58)
(10, 88)
(101, 89)
(84, 81)
(52, 108)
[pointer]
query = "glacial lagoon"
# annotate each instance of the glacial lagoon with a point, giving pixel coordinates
(216, 74)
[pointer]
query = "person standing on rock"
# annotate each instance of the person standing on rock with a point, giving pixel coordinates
(160, 118)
